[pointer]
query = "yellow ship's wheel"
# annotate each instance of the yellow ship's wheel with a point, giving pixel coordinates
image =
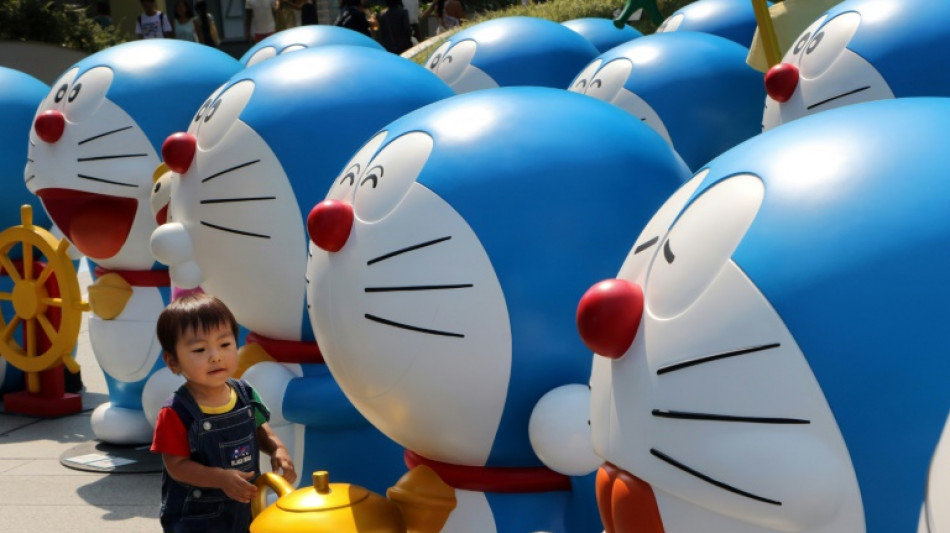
(40, 293)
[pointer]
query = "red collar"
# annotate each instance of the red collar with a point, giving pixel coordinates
(493, 479)
(288, 351)
(139, 278)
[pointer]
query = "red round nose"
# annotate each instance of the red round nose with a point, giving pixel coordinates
(609, 315)
(781, 81)
(50, 125)
(329, 224)
(178, 151)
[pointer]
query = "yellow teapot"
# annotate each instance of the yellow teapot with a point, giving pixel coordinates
(420, 502)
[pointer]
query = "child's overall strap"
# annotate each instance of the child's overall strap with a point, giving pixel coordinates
(190, 414)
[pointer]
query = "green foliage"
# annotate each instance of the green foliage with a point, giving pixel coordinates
(62, 24)
(556, 10)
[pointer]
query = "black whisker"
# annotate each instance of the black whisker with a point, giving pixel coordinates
(842, 95)
(27, 180)
(229, 200)
(673, 462)
(30, 160)
(645, 245)
(101, 135)
(685, 415)
(412, 328)
(707, 359)
(123, 184)
(232, 169)
(235, 231)
(101, 157)
(408, 249)
(418, 288)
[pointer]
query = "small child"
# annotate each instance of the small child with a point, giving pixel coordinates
(211, 430)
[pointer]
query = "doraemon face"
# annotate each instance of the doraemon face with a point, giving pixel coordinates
(820, 72)
(439, 312)
(453, 64)
(606, 82)
(430, 288)
(730, 19)
(258, 153)
(234, 220)
(719, 451)
(655, 78)
(744, 394)
(91, 171)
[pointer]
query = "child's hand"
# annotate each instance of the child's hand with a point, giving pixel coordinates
(236, 484)
(281, 463)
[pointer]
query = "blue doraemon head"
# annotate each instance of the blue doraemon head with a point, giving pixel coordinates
(792, 331)
(303, 37)
(511, 51)
(730, 19)
(602, 33)
(858, 51)
(445, 311)
(20, 93)
(96, 140)
(694, 89)
(266, 147)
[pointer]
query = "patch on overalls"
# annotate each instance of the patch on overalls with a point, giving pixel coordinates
(241, 455)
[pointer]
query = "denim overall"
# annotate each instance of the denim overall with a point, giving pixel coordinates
(227, 440)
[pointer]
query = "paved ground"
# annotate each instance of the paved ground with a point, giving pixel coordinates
(40, 495)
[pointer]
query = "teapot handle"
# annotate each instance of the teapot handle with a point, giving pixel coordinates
(264, 481)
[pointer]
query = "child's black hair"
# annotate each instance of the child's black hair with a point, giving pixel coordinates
(197, 312)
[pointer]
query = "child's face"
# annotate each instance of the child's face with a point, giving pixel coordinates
(206, 358)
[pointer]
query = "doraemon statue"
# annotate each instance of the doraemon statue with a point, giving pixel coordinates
(20, 93)
(694, 89)
(862, 50)
(94, 147)
(602, 33)
(444, 263)
(303, 37)
(730, 19)
(771, 355)
(511, 51)
(260, 152)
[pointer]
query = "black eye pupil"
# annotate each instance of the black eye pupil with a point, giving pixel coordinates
(814, 42)
(435, 61)
(596, 83)
(201, 110)
(157, 187)
(75, 92)
(801, 42)
(214, 107)
(349, 176)
(60, 93)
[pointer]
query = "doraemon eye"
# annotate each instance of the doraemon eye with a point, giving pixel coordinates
(344, 185)
(201, 110)
(700, 243)
(794, 53)
(436, 56)
(645, 247)
(61, 93)
(456, 60)
(609, 80)
(403, 159)
(828, 43)
(221, 114)
(372, 176)
(262, 55)
(87, 93)
(579, 85)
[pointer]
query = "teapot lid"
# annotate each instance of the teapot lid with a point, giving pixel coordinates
(324, 496)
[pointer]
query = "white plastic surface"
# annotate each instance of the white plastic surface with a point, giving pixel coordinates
(116, 425)
(158, 389)
(559, 430)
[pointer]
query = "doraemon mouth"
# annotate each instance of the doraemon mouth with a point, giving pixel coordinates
(97, 224)
(842, 95)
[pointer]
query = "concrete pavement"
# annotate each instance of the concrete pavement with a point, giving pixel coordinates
(40, 495)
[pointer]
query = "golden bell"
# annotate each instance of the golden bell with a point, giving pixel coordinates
(421, 500)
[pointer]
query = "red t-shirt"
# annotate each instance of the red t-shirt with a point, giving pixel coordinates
(171, 436)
